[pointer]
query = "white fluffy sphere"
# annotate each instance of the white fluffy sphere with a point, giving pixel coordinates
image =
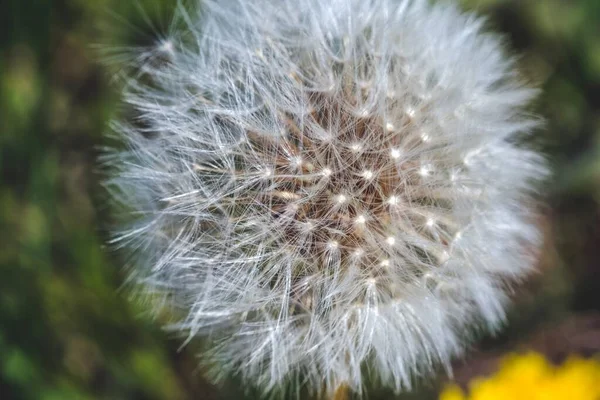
(328, 184)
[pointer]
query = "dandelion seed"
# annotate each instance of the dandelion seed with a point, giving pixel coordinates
(395, 153)
(425, 137)
(166, 46)
(358, 252)
(341, 199)
(426, 170)
(267, 172)
(356, 147)
(367, 174)
(363, 112)
(393, 200)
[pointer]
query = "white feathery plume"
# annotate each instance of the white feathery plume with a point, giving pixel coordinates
(326, 185)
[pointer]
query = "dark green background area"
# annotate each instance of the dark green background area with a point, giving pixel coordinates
(68, 329)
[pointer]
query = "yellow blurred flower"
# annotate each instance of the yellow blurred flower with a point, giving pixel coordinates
(531, 377)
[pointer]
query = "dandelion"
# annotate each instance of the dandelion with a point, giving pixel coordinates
(530, 376)
(328, 185)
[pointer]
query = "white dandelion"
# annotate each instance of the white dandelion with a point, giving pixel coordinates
(328, 185)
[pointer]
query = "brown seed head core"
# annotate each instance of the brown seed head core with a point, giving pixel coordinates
(341, 188)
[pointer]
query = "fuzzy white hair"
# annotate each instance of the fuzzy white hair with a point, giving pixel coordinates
(325, 185)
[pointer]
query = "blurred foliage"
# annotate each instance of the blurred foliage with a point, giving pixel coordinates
(68, 329)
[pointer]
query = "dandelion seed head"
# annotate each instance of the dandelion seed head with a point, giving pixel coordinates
(278, 143)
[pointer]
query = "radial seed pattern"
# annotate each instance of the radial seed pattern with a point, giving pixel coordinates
(348, 192)
(326, 185)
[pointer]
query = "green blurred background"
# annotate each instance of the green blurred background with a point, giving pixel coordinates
(68, 329)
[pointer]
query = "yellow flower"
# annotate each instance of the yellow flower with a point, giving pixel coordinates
(531, 377)
(452, 392)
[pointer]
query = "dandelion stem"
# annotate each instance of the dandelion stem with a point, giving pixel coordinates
(342, 392)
